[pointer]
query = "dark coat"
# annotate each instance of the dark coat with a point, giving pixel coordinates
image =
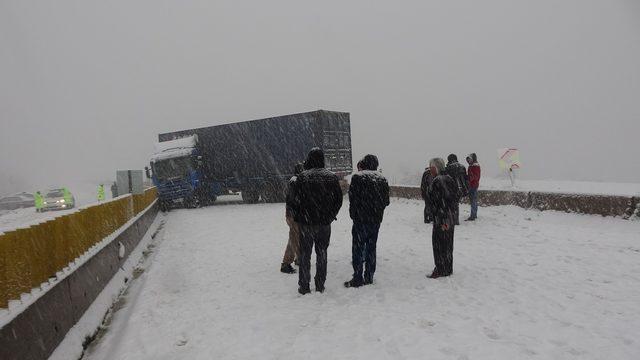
(425, 183)
(443, 199)
(458, 173)
(315, 197)
(368, 197)
(289, 197)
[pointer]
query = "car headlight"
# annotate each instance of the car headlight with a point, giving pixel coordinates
(45, 203)
(62, 201)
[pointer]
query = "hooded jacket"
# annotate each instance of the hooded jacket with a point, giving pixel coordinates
(474, 172)
(368, 193)
(315, 196)
(458, 173)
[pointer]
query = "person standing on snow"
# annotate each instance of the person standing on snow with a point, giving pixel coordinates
(101, 192)
(292, 251)
(424, 191)
(458, 173)
(315, 200)
(443, 197)
(368, 197)
(474, 184)
(39, 201)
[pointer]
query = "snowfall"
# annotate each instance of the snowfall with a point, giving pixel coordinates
(526, 284)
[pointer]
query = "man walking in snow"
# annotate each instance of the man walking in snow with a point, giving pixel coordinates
(458, 173)
(474, 184)
(292, 251)
(315, 199)
(368, 197)
(443, 197)
(424, 191)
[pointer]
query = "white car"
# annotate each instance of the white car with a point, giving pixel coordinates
(58, 199)
(17, 201)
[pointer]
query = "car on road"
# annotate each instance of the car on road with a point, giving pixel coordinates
(17, 201)
(58, 199)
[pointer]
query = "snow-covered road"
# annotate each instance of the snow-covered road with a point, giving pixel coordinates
(526, 284)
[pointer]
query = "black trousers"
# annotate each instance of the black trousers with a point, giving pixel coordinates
(363, 250)
(442, 242)
(311, 235)
(456, 213)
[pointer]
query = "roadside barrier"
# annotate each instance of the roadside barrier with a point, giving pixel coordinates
(29, 257)
(605, 205)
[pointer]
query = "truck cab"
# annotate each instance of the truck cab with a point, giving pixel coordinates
(176, 171)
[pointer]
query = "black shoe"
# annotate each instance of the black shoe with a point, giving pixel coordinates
(287, 269)
(367, 282)
(434, 275)
(304, 290)
(353, 283)
(471, 219)
(320, 289)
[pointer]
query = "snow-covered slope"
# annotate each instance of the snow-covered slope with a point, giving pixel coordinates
(567, 187)
(526, 284)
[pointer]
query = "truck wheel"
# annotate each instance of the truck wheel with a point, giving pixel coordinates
(250, 197)
(193, 203)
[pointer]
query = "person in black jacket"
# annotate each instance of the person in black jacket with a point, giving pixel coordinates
(368, 197)
(458, 173)
(315, 200)
(443, 197)
(424, 191)
(292, 251)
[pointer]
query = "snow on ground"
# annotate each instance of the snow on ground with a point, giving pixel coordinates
(526, 284)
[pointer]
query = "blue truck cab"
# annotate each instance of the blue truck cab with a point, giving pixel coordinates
(176, 171)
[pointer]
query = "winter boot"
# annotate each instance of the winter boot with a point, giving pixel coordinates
(287, 269)
(303, 290)
(353, 283)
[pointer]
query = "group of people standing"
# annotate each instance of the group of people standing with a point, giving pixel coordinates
(442, 187)
(314, 198)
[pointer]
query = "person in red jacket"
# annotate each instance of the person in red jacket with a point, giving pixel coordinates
(474, 182)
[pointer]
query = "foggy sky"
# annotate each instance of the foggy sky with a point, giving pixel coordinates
(86, 86)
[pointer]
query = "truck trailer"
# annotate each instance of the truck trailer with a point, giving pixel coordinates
(257, 157)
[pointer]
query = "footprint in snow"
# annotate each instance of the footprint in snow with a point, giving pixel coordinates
(182, 341)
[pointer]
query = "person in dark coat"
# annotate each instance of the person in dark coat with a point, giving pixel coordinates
(474, 184)
(368, 197)
(315, 200)
(424, 191)
(443, 197)
(458, 173)
(292, 251)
